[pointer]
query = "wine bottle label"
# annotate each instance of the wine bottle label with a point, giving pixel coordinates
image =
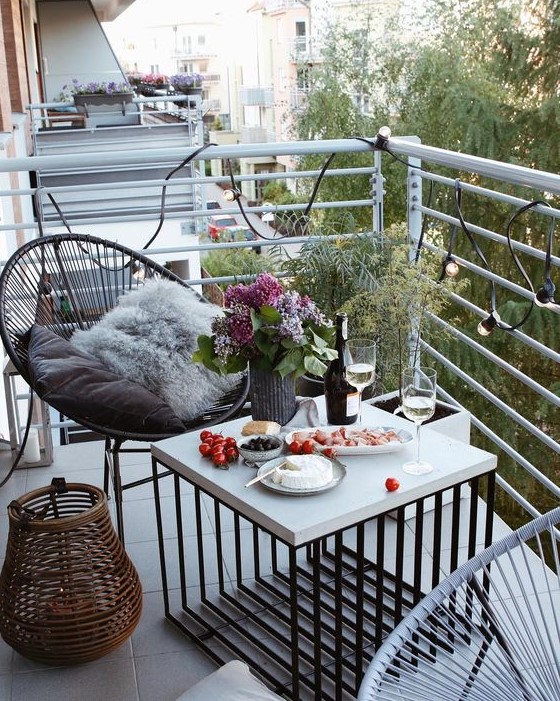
(352, 404)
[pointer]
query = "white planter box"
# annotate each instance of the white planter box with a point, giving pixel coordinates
(456, 425)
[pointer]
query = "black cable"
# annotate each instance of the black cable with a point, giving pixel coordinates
(305, 212)
(181, 165)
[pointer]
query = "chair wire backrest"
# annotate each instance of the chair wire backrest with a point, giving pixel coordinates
(87, 275)
(489, 631)
(90, 273)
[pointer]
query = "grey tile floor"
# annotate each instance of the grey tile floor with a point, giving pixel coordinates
(157, 663)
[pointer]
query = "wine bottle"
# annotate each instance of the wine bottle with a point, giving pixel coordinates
(341, 398)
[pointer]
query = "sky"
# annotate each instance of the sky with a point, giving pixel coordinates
(147, 12)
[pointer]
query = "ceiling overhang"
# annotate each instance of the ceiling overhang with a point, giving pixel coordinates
(108, 10)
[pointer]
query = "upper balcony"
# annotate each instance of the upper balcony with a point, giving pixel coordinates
(256, 96)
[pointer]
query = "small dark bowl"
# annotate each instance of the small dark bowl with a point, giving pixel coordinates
(260, 455)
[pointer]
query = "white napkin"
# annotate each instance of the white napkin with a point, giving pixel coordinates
(306, 415)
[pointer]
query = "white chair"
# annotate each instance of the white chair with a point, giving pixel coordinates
(489, 631)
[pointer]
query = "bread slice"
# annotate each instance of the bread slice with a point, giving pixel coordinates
(270, 428)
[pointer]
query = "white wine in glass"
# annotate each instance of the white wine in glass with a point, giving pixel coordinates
(418, 404)
(360, 366)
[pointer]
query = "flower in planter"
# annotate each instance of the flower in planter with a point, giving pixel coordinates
(181, 81)
(96, 87)
(275, 329)
(155, 79)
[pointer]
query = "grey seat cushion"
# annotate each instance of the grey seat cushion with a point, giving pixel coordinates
(149, 338)
(232, 682)
(81, 387)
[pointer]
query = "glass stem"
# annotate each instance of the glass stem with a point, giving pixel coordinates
(360, 406)
(418, 424)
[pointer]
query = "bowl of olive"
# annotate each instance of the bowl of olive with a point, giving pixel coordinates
(259, 447)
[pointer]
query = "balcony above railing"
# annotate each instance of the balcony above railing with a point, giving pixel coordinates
(152, 123)
(256, 135)
(256, 96)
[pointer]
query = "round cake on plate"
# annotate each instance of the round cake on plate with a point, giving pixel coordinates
(304, 472)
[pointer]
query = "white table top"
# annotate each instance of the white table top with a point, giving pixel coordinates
(361, 495)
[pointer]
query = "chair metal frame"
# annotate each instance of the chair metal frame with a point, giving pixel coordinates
(93, 273)
(490, 630)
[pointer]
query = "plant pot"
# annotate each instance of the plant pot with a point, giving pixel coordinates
(193, 90)
(456, 424)
(273, 398)
(117, 98)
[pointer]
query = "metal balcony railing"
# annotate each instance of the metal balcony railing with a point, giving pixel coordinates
(510, 381)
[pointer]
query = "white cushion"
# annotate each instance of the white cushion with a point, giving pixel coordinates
(232, 682)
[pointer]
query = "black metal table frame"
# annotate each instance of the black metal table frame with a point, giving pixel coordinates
(326, 614)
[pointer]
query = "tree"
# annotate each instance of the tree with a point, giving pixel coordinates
(480, 78)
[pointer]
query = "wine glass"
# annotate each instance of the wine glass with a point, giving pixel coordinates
(418, 405)
(360, 365)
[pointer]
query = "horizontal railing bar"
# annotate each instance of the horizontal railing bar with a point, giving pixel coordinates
(522, 377)
(292, 148)
(482, 272)
(519, 335)
(120, 218)
(522, 461)
(519, 175)
(486, 233)
(491, 194)
(177, 181)
(491, 397)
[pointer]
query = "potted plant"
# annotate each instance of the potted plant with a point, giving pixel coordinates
(98, 92)
(332, 270)
(187, 83)
(278, 333)
(152, 82)
(394, 314)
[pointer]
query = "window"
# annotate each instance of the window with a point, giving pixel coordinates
(201, 40)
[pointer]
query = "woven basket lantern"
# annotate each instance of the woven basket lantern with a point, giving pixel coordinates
(68, 591)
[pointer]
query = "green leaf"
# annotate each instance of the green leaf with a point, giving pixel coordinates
(314, 366)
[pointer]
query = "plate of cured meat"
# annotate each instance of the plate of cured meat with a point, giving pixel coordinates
(353, 440)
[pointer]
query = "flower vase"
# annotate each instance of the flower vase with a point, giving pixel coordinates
(273, 398)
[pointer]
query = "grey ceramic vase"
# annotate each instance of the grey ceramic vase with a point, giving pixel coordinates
(273, 398)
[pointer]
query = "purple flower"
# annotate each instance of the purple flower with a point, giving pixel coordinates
(249, 329)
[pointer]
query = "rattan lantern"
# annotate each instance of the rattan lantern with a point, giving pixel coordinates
(68, 591)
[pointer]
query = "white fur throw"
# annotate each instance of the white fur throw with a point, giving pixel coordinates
(149, 337)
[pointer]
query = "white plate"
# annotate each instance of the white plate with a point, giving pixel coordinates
(404, 438)
(339, 472)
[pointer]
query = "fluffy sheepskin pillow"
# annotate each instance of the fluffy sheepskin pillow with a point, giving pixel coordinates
(150, 336)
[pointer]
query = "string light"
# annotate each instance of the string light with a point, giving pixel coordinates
(487, 325)
(450, 266)
(383, 136)
(544, 296)
(232, 195)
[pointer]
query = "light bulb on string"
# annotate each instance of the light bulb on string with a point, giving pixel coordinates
(451, 267)
(383, 136)
(487, 325)
(232, 195)
(544, 296)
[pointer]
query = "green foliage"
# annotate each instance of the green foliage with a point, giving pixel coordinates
(332, 270)
(236, 262)
(394, 311)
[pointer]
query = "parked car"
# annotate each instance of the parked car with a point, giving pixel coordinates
(224, 227)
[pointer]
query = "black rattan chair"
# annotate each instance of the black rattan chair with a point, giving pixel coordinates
(87, 276)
